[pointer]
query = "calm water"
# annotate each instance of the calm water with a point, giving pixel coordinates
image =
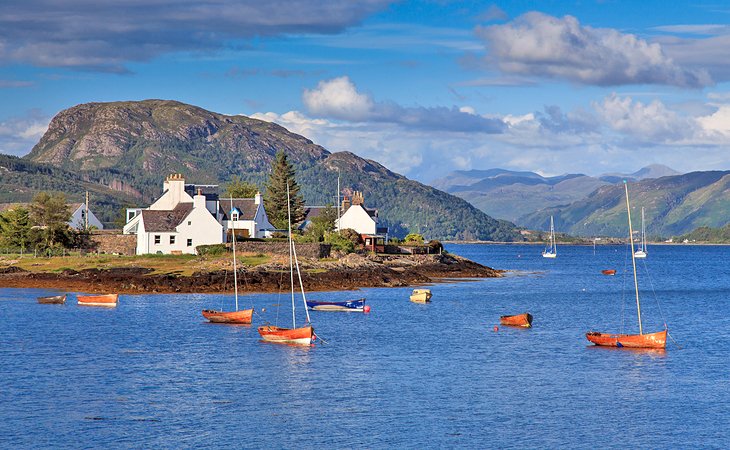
(151, 373)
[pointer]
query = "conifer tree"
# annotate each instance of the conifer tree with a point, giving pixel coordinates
(282, 172)
(51, 214)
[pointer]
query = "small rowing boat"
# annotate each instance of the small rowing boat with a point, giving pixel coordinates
(243, 316)
(298, 336)
(519, 320)
(98, 300)
(345, 306)
(421, 296)
(608, 272)
(53, 300)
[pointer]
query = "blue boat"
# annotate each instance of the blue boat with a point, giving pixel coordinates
(347, 305)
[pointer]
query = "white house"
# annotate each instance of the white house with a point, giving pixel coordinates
(78, 217)
(186, 216)
(246, 216)
(359, 218)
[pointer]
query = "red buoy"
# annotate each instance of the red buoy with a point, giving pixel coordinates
(496, 328)
(366, 309)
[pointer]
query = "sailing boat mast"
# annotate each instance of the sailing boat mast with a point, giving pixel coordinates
(633, 257)
(293, 260)
(235, 268)
(643, 231)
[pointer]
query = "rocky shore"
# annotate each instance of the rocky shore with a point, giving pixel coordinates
(350, 272)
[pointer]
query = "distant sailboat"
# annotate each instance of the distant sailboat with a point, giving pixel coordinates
(233, 317)
(641, 252)
(656, 340)
(551, 251)
(302, 335)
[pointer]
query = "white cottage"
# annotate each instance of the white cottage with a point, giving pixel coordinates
(186, 216)
(359, 218)
(78, 217)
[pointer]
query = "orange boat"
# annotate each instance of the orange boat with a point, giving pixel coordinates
(520, 320)
(242, 317)
(657, 340)
(299, 336)
(608, 272)
(98, 300)
(649, 340)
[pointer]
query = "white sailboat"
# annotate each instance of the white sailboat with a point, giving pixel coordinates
(551, 251)
(641, 252)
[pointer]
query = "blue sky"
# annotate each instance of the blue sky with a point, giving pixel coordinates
(422, 87)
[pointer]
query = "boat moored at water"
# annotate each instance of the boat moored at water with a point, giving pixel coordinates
(421, 296)
(98, 300)
(243, 316)
(519, 320)
(344, 306)
(53, 300)
(609, 272)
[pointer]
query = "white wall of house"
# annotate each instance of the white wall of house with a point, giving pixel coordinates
(77, 219)
(358, 219)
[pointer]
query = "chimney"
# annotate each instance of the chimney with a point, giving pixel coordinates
(175, 183)
(345, 204)
(199, 200)
(357, 198)
(257, 198)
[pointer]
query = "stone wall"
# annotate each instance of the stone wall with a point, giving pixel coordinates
(119, 244)
(307, 250)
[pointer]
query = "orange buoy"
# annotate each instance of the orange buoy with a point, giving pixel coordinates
(366, 309)
(496, 328)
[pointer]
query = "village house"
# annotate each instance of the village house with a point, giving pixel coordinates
(363, 220)
(186, 216)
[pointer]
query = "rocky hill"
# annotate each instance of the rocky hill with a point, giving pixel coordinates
(674, 205)
(128, 147)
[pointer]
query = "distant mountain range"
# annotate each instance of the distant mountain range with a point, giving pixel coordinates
(511, 195)
(122, 151)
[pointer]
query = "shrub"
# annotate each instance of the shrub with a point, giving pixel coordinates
(339, 242)
(414, 238)
(211, 250)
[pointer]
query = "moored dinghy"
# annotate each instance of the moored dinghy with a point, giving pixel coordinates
(345, 306)
(421, 296)
(53, 299)
(243, 316)
(609, 272)
(519, 320)
(98, 300)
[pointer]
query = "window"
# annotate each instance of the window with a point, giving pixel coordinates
(157, 239)
(190, 242)
(172, 240)
(234, 216)
(189, 223)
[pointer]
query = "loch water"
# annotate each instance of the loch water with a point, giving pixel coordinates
(151, 373)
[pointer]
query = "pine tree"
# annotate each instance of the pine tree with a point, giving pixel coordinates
(282, 172)
(51, 214)
(15, 228)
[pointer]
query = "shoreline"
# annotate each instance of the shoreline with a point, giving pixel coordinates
(351, 272)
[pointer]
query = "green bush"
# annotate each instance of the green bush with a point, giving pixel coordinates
(414, 238)
(211, 250)
(339, 242)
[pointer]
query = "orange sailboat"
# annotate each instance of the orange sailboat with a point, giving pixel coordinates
(519, 320)
(98, 300)
(657, 340)
(233, 317)
(298, 336)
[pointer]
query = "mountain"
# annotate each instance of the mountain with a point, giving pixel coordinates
(650, 171)
(131, 146)
(674, 205)
(509, 194)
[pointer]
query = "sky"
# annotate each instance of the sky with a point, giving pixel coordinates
(423, 87)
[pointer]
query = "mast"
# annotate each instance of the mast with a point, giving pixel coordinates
(291, 258)
(643, 232)
(552, 236)
(633, 257)
(86, 216)
(339, 206)
(235, 269)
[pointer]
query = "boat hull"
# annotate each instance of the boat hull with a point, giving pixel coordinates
(549, 255)
(109, 300)
(278, 335)
(243, 316)
(650, 340)
(346, 306)
(608, 272)
(639, 254)
(421, 296)
(52, 300)
(519, 320)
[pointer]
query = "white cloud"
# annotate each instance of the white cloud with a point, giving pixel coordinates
(18, 135)
(541, 45)
(338, 98)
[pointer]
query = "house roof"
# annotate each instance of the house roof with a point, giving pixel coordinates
(156, 220)
(247, 208)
